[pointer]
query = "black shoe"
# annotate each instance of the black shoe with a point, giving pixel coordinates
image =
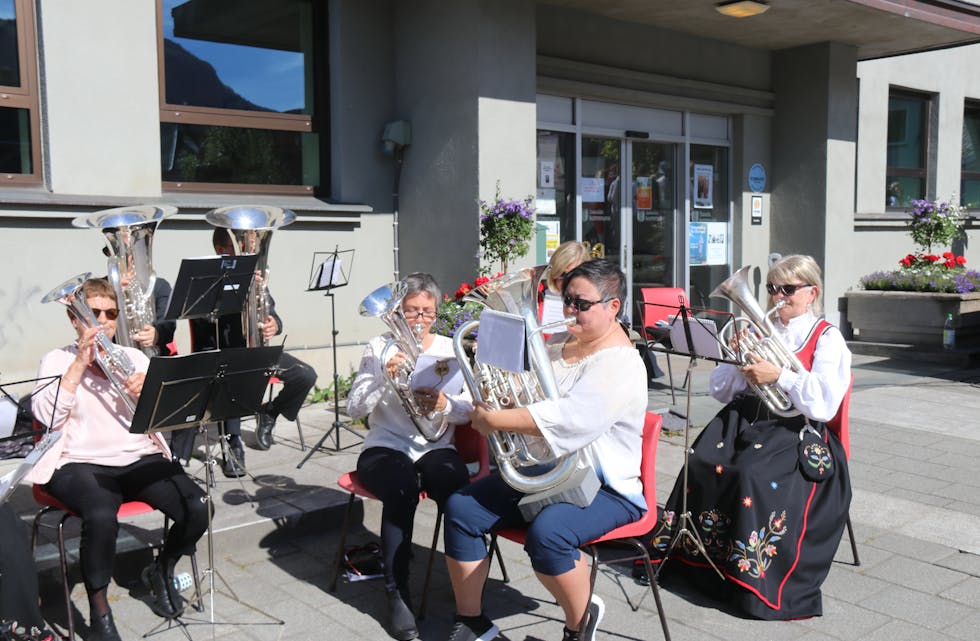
(103, 628)
(233, 460)
(401, 621)
(265, 423)
(156, 582)
(473, 629)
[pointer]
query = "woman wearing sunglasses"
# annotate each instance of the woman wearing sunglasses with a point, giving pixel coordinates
(769, 516)
(98, 464)
(602, 382)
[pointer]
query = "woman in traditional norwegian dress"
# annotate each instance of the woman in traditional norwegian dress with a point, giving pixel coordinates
(769, 512)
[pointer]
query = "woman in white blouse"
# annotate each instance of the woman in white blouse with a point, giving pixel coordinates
(601, 410)
(768, 519)
(397, 460)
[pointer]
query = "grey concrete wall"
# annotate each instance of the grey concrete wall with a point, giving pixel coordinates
(751, 144)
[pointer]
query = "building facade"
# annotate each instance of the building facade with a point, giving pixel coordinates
(681, 142)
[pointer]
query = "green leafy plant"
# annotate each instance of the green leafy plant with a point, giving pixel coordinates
(325, 394)
(934, 223)
(506, 228)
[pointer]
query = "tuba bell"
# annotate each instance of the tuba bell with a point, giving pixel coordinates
(113, 361)
(755, 334)
(128, 234)
(385, 303)
(517, 293)
(251, 228)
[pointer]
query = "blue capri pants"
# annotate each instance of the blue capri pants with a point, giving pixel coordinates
(553, 538)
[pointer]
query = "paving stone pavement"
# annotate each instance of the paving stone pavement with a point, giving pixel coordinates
(916, 515)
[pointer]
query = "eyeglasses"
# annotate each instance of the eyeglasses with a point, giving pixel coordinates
(785, 290)
(111, 314)
(582, 305)
(412, 314)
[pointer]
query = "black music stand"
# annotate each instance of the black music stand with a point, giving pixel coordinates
(10, 481)
(195, 390)
(331, 270)
(685, 523)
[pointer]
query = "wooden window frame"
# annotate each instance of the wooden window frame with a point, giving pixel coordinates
(25, 96)
(213, 116)
(969, 106)
(927, 136)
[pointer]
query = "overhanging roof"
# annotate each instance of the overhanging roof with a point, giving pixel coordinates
(876, 28)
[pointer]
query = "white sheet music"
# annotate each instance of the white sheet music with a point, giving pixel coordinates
(553, 309)
(437, 372)
(502, 340)
(331, 272)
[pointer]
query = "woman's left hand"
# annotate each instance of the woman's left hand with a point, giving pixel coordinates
(760, 372)
(269, 327)
(430, 400)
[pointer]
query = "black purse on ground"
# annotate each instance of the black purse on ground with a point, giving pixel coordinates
(816, 461)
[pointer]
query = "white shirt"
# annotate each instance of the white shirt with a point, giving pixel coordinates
(390, 425)
(817, 393)
(601, 412)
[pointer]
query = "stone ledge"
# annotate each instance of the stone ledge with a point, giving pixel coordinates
(965, 357)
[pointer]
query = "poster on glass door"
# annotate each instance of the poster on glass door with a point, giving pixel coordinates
(708, 243)
(703, 183)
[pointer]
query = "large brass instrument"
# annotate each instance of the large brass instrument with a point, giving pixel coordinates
(128, 234)
(251, 228)
(385, 303)
(114, 362)
(754, 334)
(517, 293)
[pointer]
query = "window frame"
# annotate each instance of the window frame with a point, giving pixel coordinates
(25, 96)
(239, 118)
(927, 142)
(969, 106)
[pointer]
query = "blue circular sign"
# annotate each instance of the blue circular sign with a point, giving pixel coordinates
(757, 177)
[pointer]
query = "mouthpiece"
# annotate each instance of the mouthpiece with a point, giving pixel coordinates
(561, 324)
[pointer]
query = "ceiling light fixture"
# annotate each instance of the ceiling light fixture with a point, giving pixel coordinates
(742, 8)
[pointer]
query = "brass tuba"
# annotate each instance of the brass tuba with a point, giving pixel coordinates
(114, 362)
(251, 228)
(517, 293)
(385, 303)
(128, 234)
(755, 334)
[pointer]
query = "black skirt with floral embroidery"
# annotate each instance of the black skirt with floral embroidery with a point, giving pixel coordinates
(770, 530)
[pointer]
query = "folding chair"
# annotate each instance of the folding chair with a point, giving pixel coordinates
(275, 380)
(658, 304)
(630, 534)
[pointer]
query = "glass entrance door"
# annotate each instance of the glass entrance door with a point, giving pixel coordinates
(602, 196)
(653, 215)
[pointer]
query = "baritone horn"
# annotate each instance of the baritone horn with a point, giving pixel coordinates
(517, 293)
(251, 228)
(754, 334)
(113, 361)
(128, 234)
(385, 303)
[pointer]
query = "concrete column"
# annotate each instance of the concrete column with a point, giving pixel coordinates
(814, 136)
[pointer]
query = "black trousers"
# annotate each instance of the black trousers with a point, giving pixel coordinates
(392, 477)
(297, 379)
(18, 576)
(95, 492)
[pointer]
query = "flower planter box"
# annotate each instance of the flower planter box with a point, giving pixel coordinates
(913, 318)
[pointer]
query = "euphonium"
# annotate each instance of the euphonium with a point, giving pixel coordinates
(385, 303)
(128, 233)
(251, 228)
(517, 293)
(754, 333)
(114, 362)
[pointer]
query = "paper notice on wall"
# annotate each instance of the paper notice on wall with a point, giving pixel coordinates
(698, 243)
(593, 190)
(552, 236)
(644, 192)
(703, 186)
(717, 243)
(546, 175)
(544, 203)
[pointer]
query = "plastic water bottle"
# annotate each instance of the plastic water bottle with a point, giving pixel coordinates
(183, 581)
(949, 333)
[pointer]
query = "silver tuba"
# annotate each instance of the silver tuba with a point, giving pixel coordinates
(114, 362)
(128, 233)
(517, 293)
(385, 303)
(251, 228)
(755, 334)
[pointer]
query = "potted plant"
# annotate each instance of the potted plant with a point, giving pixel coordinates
(506, 228)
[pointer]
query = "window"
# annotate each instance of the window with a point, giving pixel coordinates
(908, 139)
(970, 158)
(239, 95)
(19, 144)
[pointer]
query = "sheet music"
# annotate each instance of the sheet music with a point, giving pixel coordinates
(331, 272)
(437, 372)
(553, 309)
(502, 341)
(704, 334)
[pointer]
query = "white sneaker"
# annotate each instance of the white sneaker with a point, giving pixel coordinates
(482, 629)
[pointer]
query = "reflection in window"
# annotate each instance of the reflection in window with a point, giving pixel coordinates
(15, 141)
(556, 185)
(18, 115)
(9, 55)
(239, 92)
(907, 143)
(970, 158)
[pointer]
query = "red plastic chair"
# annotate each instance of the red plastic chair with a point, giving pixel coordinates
(472, 448)
(51, 505)
(658, 305)
(840, 425)
(273, 381)
(632, 533)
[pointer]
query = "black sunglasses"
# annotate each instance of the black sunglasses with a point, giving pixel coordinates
(111, 314)
(785, 290)
(581, 304)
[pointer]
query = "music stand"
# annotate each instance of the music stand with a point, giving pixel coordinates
(10, 481)
(331, 270)
(685, 523)
(195, 390)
